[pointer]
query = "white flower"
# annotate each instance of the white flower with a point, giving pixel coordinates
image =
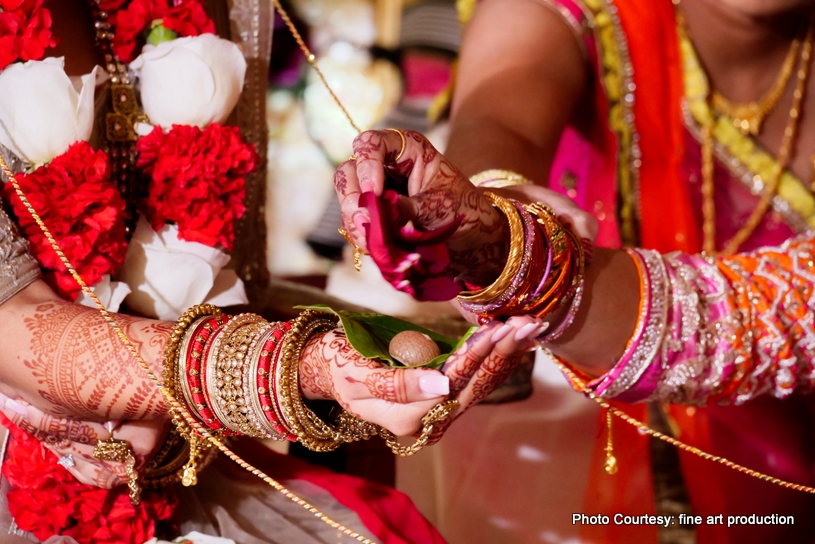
(190, 81)
(41, 113)
(110, 294)
(168, 275)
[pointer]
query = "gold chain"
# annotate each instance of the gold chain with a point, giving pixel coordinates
(749, 117)
(168, 395)
(312, 60)
(610, 410)
(708, 206)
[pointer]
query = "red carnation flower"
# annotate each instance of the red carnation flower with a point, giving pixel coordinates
(83, 210)
(412, 260)
(184, 17)
(196, 180)
(47, 500)
(25, 31)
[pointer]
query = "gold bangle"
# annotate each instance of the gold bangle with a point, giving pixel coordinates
(514, 259)
(496, 179)
(197, 447)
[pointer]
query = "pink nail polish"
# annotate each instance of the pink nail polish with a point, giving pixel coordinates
(434, 384)
(501, 332)
(16, 407)
(3, 400)
(526, 331)
(367, 187)
(361, 222)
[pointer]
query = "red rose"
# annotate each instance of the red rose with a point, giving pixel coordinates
(25, 31)
(83, 210)
(185, 17)
(196, 180)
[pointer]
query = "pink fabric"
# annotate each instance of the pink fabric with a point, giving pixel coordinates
(425, 75)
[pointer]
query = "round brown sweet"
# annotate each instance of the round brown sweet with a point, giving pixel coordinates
(413, 348)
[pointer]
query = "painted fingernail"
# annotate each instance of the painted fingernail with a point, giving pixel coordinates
(434, 383)
(526, 331)
(501, 332)
(16, 407)
(542, 328)
(367, 187)
(361, 222)
(111, 425)
(3, 400)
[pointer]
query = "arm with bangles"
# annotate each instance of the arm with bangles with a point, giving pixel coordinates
(704, 331)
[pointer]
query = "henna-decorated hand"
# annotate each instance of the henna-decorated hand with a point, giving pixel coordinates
(78, 438)
(394, 398)
(485, 361)
(436, 195)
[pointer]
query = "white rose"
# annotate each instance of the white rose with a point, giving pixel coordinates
(168, 275)
(41, 113)
(110, 294)
(190, 81)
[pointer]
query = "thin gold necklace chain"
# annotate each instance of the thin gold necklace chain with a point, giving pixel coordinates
(169, 397)
(312, 60)
(784, 152)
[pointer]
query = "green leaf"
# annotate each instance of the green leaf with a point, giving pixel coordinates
(370, 333)
(160, 34)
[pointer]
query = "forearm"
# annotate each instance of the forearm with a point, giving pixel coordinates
(721, 331)
(607, 315)
(480, 142)
(65, 359)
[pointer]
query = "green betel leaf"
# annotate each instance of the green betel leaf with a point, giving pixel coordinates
(370, 334)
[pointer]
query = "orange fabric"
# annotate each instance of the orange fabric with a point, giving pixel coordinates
(629, 491)
(701, 476)
(667, 221)
(666, 224)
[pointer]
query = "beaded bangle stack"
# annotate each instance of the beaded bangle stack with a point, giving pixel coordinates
(239, 376)
(544, 269)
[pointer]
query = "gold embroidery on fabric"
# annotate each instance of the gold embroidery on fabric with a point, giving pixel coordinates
(739, 153)
(616, 76)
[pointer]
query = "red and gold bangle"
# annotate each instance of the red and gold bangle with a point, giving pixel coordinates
(190, 364)
(267, 381)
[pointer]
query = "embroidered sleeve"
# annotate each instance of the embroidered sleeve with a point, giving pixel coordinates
(720, 331)
(575, 15)
(17, 267)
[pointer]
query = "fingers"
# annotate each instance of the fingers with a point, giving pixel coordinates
(405, 385)
(374, 149)
(582, 222)
(354, 218)
(47, 428)
(493, 345)
(89, 470)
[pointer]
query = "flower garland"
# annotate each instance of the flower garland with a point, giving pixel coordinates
(196, 180)
(196, 187)
(25, 31)
(85, 212)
